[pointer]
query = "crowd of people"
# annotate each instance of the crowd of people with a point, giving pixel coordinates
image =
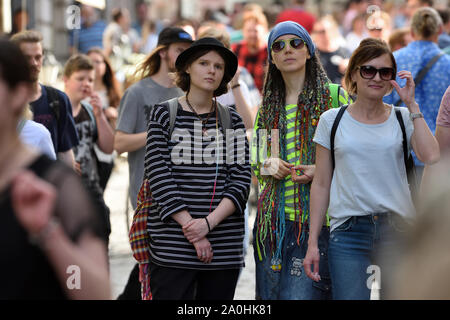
(340, 123)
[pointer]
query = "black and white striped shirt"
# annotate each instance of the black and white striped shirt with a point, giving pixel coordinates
(189, 186)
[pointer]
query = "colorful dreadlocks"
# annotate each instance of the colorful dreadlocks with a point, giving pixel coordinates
(312, 102)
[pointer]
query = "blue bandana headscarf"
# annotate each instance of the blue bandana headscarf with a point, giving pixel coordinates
(290, 27)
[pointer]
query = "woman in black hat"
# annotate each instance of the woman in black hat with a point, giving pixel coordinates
(199, 184)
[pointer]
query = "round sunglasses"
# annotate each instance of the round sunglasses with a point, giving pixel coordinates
(295, 43)
(369, 72)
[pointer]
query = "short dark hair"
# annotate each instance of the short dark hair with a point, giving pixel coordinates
(116, 14)
(183, 80)
(368, 49)
(445, 15)
(14, 67)
(78, 62)
(427, 2)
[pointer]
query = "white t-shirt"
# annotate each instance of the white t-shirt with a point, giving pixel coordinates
(36, 135)
(227, 99)
(370, 174)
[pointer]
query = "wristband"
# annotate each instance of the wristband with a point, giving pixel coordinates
(416, 115)
(235, 86)
(209, 227)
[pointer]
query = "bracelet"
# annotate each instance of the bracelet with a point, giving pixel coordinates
(39, 238)
(235, 86)
(207, 222)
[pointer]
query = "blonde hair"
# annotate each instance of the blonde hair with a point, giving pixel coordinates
(27, 113)
(77, 62)
(27, 36)
(426, 22)
(216, 33)
(257, 16)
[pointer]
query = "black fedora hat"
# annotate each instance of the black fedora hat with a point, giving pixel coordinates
(231, 61)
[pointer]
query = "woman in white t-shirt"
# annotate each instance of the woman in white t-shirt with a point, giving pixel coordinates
(35, 135)
(366, 189)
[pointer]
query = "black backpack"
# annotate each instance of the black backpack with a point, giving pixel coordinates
(54, 102)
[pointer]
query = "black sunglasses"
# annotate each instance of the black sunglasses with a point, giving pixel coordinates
(295, 43)
(369, 72)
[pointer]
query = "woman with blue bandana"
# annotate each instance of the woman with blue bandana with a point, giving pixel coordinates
(296, 92)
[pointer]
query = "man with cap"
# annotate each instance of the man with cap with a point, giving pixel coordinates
(131, 133)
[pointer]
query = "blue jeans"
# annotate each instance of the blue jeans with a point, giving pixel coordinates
(291, 282)
(357, 244)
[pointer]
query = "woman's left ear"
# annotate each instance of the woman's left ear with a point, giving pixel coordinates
(352, 77)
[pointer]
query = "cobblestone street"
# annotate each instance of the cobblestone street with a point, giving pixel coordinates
(120, 257)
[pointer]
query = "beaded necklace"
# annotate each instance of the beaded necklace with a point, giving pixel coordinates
(203, 121)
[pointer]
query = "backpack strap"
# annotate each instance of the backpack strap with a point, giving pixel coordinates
(173, 110)
(339, 96)
(409, 161)
(334, 94)
(225, 118)
(21, 125)
(90, 111)
(53, 101)
(405, 141)
(333, 132)
(423, 72)
(224, 112)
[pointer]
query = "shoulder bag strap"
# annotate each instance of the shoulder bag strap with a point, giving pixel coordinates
(422, 73)
(53, 101)
(405, 141)
(21, 125)
(333, 132)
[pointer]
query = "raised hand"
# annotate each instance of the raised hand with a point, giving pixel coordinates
(96, 103)
(407, 93)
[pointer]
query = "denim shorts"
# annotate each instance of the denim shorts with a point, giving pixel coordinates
(362, 248)
(291, 282)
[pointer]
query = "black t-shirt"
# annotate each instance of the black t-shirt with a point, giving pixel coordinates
(330, 62)
(25, 272)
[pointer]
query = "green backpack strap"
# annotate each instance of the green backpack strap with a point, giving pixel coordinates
(339, 97)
